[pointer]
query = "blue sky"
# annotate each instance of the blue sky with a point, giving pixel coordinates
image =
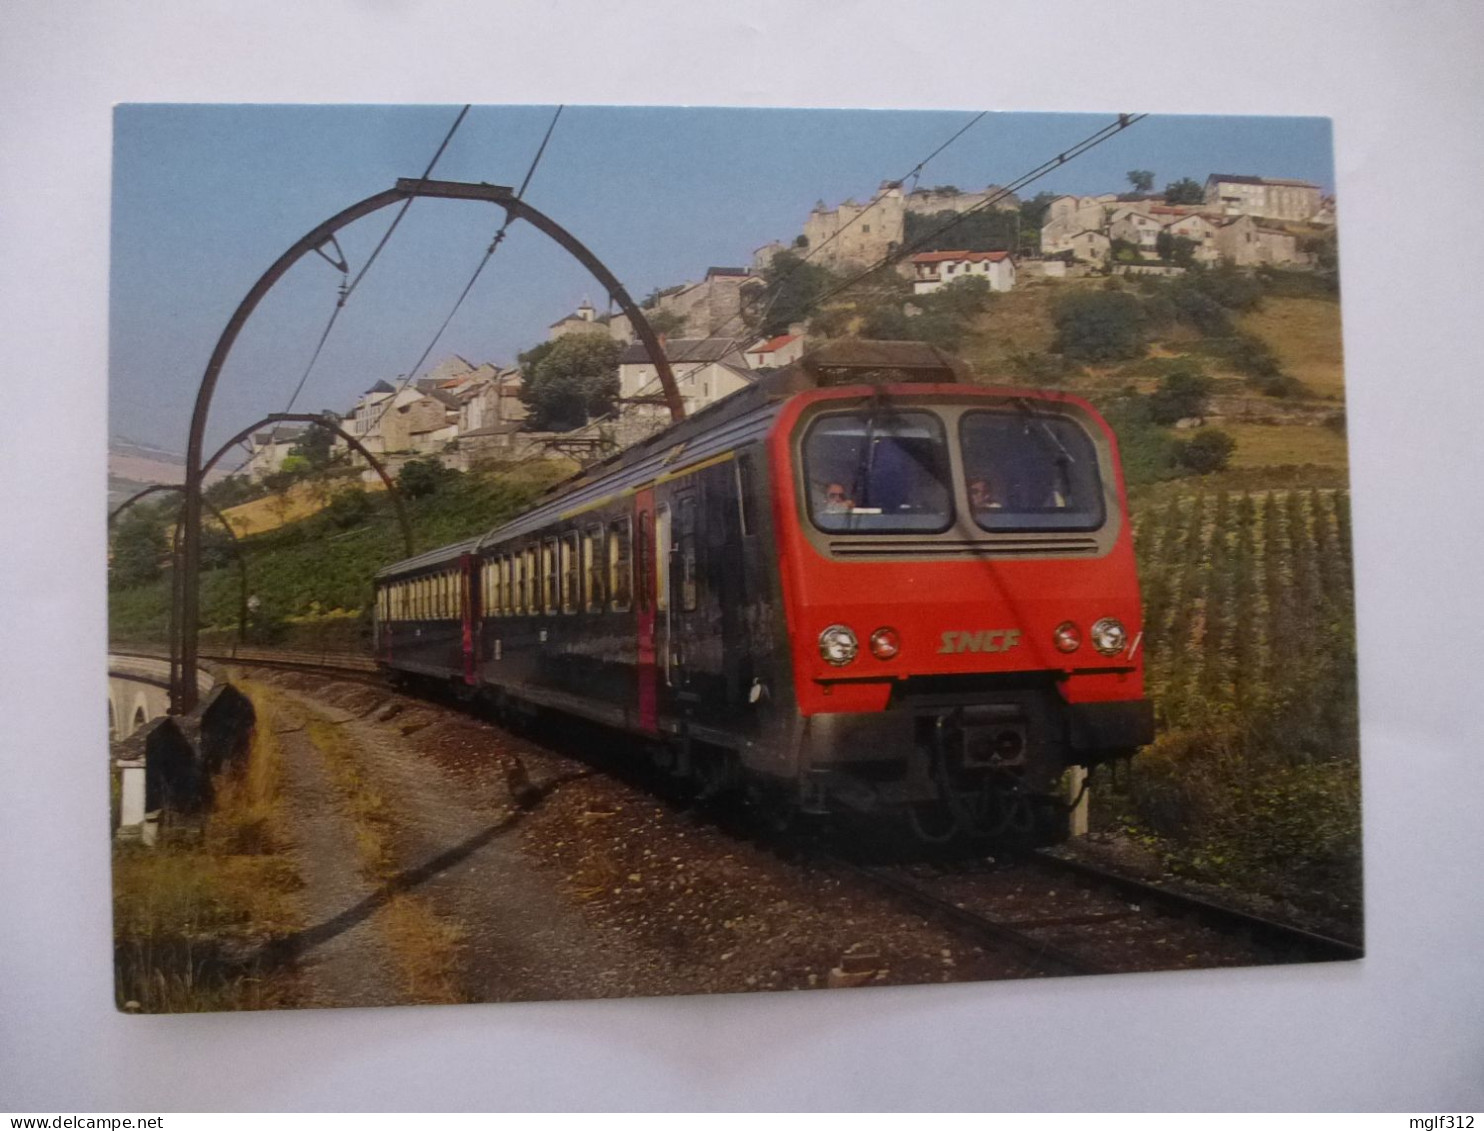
(206, 197)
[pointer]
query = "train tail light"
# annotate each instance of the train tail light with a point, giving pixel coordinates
(885, 643)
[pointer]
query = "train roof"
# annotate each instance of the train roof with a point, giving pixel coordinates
(740, 418)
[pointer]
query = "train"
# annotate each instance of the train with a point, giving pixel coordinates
(866, 586)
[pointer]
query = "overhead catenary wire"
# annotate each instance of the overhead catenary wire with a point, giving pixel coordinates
(1122, 122)
(348, 286)
(489, 252)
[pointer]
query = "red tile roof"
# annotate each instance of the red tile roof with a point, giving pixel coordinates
(774, 344)
(967, 256)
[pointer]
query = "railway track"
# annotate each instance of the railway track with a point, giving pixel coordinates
(1059, 915)
(1067, 917)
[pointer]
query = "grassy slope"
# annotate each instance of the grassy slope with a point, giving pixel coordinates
(1305, 334)
(301, 501)
(310, 567)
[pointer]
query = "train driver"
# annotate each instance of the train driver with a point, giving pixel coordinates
(837, 500)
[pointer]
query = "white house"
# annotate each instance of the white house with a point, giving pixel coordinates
(934, 269)
(774, 353)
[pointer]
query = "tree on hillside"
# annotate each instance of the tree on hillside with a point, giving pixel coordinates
(963, 298)
(989, 230)
(1184, 191)
(791, 287)
(1033, 211)
(139, 543)
(314, 447)
(1179, 250)
(420, 478)
(569, 381)
(1099, 326)
(1208, 450)
(1183, 393)
(1141, 179)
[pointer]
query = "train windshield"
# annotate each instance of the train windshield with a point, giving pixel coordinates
(1028, 471)
(878, 472)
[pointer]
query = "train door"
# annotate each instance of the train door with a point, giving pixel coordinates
(469, 615)
(645, 614)
(682, 603)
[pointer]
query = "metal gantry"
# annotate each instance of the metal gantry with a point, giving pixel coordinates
(187, 596)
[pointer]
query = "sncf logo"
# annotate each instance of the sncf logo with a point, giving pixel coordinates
(987, 640)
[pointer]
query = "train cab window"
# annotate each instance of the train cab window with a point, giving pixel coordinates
(518, 583)
(685, 553)
(507, 584)
(662, 543)
(878, 472)
(592, 570)
(571, 579)
(1030, 471)
(533, 580)
(549, 575)
(620, 567)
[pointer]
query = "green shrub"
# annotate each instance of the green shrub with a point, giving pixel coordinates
(1100, 326)
(1183, 392)
(1208, 450)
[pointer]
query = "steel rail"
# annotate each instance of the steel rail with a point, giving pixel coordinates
(982, 929)
(1268, 933)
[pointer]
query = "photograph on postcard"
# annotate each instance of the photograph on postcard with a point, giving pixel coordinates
(581, 552)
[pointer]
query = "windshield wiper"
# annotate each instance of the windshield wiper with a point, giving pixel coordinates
(1064, 458)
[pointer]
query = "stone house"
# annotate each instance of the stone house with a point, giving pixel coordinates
(423, 424)
(1137, 228)
(1270, 198)
(1246, 243)
(492, 401)
(1203, 231)
(271, 447)
(583, 321)
(706, 369)
(932, 270)
(1089, 247)
(928, 201)
(711, 307)
(855, 235)
(1066, 217)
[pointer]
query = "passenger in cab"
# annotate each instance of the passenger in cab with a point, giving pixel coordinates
(982, 496)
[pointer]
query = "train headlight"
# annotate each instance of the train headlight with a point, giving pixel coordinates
(1109, 636)
(838, 646)
(1067, 637)
(885, 643)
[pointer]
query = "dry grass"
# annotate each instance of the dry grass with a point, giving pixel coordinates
(299, 502)
(1305, 334)
(424, 946)
(1285, 445)
(193, 915)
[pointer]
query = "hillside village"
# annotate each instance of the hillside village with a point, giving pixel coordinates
(462, 412)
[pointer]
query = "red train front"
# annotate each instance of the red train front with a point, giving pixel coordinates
(862, 584)
(961, 598)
